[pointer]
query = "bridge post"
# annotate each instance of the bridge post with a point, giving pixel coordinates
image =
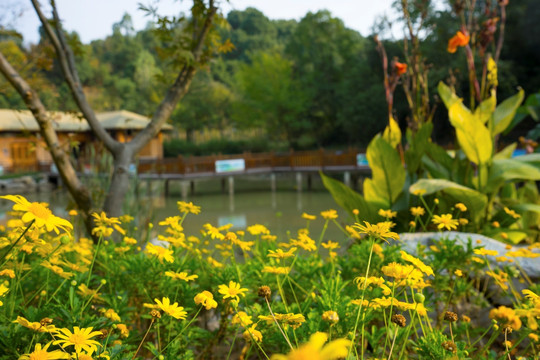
(166, 187)
(184, 189)
(347, 178)
(299, 181)
(230, 181)
(273, 182)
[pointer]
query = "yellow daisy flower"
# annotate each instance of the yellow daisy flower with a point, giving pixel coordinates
(41, 353)
(316, 350)
(173, 310)
(39, 213)
(445, 221)
(206, 299)
(232, 291)
(81, 339)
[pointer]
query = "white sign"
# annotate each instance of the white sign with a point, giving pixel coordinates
(232, 165)
(361, 160)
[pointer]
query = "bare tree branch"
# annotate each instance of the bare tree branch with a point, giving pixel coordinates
(64, 55)
(61, 158)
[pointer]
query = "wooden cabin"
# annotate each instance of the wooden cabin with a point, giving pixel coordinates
(23, 149)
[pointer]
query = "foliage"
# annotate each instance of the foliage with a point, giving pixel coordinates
(149, 289)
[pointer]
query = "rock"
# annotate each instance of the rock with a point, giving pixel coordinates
(530, 266)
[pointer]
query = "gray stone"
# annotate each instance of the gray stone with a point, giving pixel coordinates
(530, 266)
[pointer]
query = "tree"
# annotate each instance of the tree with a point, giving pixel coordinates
(270, 97)
(191, 42)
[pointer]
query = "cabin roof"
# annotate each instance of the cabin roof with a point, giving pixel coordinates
(23, 120)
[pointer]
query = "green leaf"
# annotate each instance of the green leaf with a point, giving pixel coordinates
(506, 153)
(511, 169)
(418, 143)
(349, 199)
(485, 109)
(388, 174)
(475, 201)
(392, 132)
(473, 136)
(505, 112)
(447, 95)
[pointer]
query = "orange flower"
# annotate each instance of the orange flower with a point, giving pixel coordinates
(400, 68)
(460, 39)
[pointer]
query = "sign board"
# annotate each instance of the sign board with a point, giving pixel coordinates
(232, 165)
(237, 221)
(361, 160)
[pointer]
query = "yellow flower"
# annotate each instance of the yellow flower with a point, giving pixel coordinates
(214, 262)
(283, 270)
(280, 254)
(380, 230)
(258, 229)
(111, 314)
(160, 252)
(507, 316)
(389, 214)
(188, 207)
(458, 273)
(104, 224)
(8, 272)
(41, 353)
(252, 334)
(85, 291)
(329, 214)
(461, 207)
(57, 270)
(483, 251)
(418, 263)
(294, 320)
(181, 276)
(330, 316)
(173, 310)
(531, 296)
(206, 299)
(445, 221)
(241, 318)
(418, 211)
(126, 219)
(81, 339)
(330, 245)
(232, 291)
(124, 331)
(308, 217)
(512, 213)
(316, 350)
(526, 253)
(305, 242)
(40, 213)
(35, 326)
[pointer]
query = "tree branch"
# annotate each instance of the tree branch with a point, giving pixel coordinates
(177, 90)
(62, 160)
(67, 65)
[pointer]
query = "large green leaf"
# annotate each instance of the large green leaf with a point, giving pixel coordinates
(510, 169)
(505, 112)
(447, 95)
(349, 199)
(506, 153)
(418, 143)
(484, 110)
(392, 132)
(529, 158)
(474, 200)
(473, 136)
(388, 174)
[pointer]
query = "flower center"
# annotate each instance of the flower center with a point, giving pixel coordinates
(77, 339)
(39, 210)
(39, 355)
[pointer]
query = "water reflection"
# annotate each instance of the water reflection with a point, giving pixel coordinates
(280, 211)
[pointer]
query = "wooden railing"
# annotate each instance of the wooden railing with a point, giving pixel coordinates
(319, 159)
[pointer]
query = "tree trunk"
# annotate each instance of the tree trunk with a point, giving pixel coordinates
(119, 183)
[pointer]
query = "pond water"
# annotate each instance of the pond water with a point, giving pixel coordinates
(252, 203)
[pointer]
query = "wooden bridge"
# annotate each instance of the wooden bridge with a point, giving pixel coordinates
(298, 162)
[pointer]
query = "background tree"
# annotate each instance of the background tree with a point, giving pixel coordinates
(190, 49)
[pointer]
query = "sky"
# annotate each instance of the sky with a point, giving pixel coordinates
(93, 19)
